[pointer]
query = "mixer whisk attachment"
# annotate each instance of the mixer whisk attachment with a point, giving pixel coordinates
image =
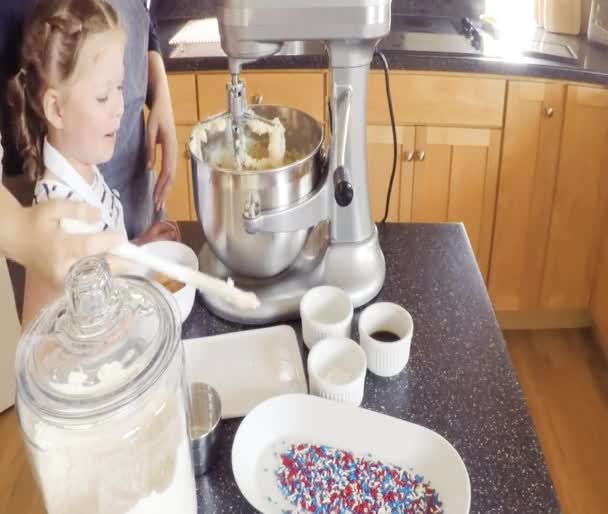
(247, 129)
(240, 139)
(276, 142)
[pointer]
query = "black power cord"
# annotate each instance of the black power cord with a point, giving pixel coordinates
(390, 110)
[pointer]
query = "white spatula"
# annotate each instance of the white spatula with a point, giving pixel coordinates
(205, 283)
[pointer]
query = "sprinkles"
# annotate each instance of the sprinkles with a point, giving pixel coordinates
(326, 480)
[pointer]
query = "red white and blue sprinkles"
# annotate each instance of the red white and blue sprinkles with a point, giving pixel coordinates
(325, 480)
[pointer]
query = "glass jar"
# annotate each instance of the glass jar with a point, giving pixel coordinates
(102, 400)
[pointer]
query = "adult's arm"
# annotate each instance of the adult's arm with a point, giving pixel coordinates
(32, 236)
(161, 127)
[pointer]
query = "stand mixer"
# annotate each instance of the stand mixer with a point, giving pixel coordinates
(282, 231)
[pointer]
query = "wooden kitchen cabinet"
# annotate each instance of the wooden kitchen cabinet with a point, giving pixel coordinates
(185, 110)
(455, 178)
(180, 202)
(443, 174)
(184, 98)
(379, 167)
(580, 204)
(437, 99)
(530, 154)
(599, 299)
(448, 133)
(304, 90)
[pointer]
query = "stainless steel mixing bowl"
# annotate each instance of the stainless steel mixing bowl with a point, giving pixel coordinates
(220, 195)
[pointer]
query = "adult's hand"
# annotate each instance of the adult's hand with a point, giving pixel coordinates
(160, 129)
(33, 237)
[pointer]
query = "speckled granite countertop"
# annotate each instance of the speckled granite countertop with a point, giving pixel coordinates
(459, 381)
(592, 65)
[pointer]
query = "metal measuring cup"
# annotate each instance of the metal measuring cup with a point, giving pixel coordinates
(205, 417)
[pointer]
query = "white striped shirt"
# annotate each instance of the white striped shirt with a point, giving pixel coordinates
(60, 183)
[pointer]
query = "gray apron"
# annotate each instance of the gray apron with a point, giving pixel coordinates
(126, 172)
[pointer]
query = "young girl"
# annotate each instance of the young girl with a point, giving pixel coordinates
(68, 104)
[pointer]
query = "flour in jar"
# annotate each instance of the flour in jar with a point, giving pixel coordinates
(138, 462)
(178, 496)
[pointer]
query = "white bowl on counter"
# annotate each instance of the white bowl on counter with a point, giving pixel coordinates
(178, 253)
(271, 427)
(336, 370)
(326, 311)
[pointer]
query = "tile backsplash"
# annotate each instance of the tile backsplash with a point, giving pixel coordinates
(471, 8)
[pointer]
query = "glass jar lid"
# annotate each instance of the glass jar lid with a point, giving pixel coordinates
(98, 347)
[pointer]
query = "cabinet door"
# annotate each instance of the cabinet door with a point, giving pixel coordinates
(437, 99)
(185, 109)
(379, 168)
(599, 301)
(301, 90)
(183, 97)
(455, 176)
(179, 201)
(525, 193)
(581, 196)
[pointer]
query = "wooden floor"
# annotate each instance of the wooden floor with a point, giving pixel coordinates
(564, 378)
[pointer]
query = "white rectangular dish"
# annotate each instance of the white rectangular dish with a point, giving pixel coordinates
(269, 429)
(247, 367)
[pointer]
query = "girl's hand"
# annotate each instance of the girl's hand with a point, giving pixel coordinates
(160, 231)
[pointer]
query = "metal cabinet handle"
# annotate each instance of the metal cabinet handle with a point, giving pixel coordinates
(409, 156)
(257, 99)
(420, 155)
(549, 112)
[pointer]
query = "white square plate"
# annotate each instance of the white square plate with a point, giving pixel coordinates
(247, 367)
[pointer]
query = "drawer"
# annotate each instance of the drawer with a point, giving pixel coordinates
(437, 100)
(183, 97)
(301, 90)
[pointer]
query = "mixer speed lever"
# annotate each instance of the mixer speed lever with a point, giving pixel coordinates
(343, 189)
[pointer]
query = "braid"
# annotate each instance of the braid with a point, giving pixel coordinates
(30, 127)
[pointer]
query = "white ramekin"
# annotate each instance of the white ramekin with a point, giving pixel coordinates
(336, 370)
(325, 311)
(386, 359)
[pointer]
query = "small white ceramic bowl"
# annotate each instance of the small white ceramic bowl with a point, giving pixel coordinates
(180, 254)
(386, 359)
(336, 370)
(326, 311)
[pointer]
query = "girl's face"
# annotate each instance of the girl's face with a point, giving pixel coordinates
(91, 102)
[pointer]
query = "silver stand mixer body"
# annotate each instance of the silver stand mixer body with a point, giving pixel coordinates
(342, 248)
